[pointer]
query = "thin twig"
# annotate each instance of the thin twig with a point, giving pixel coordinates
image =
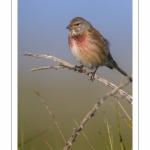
(64, 64)
(38, 132)
(47, 67)
(92, 113)
(122, 106)
(38, 94)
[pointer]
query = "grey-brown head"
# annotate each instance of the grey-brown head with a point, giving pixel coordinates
(78, 25)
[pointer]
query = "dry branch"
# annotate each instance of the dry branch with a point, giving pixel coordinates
(92, 113)
(85, 137)
(64, 64)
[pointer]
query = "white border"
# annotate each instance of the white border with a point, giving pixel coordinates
(14, 74)
(144, 74)
(5, 74)
(135, 73)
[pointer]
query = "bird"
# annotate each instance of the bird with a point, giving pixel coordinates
(89, 47)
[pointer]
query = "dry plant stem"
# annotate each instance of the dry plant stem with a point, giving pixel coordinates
(110, 139)
(128, 123)
(38, 94)
(63, 64)
(119, 129)
(105, 129)
(92, 113)
(101, 135)
(103, 139)
(38, 132)
(124, 110)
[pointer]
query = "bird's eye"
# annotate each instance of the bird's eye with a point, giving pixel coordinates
(77, 24)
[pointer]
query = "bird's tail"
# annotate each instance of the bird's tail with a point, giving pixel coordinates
(121, 71)
(112, 64)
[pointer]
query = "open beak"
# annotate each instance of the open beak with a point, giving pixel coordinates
(68, 27)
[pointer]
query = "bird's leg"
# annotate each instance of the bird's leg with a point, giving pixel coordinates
(79, 68)
(93, 73)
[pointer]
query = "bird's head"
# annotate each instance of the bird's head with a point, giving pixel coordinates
(78, 25)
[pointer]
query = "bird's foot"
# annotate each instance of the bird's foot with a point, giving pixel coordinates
(92, 75)
(79, 68)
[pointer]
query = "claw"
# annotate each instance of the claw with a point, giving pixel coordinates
(92, 74)
(79, 68)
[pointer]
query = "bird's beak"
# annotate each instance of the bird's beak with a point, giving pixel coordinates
(68, 27)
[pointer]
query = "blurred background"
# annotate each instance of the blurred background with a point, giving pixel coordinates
(68, 94)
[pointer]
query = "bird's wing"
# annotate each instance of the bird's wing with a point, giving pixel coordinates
(96, 34)
(99, 40)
